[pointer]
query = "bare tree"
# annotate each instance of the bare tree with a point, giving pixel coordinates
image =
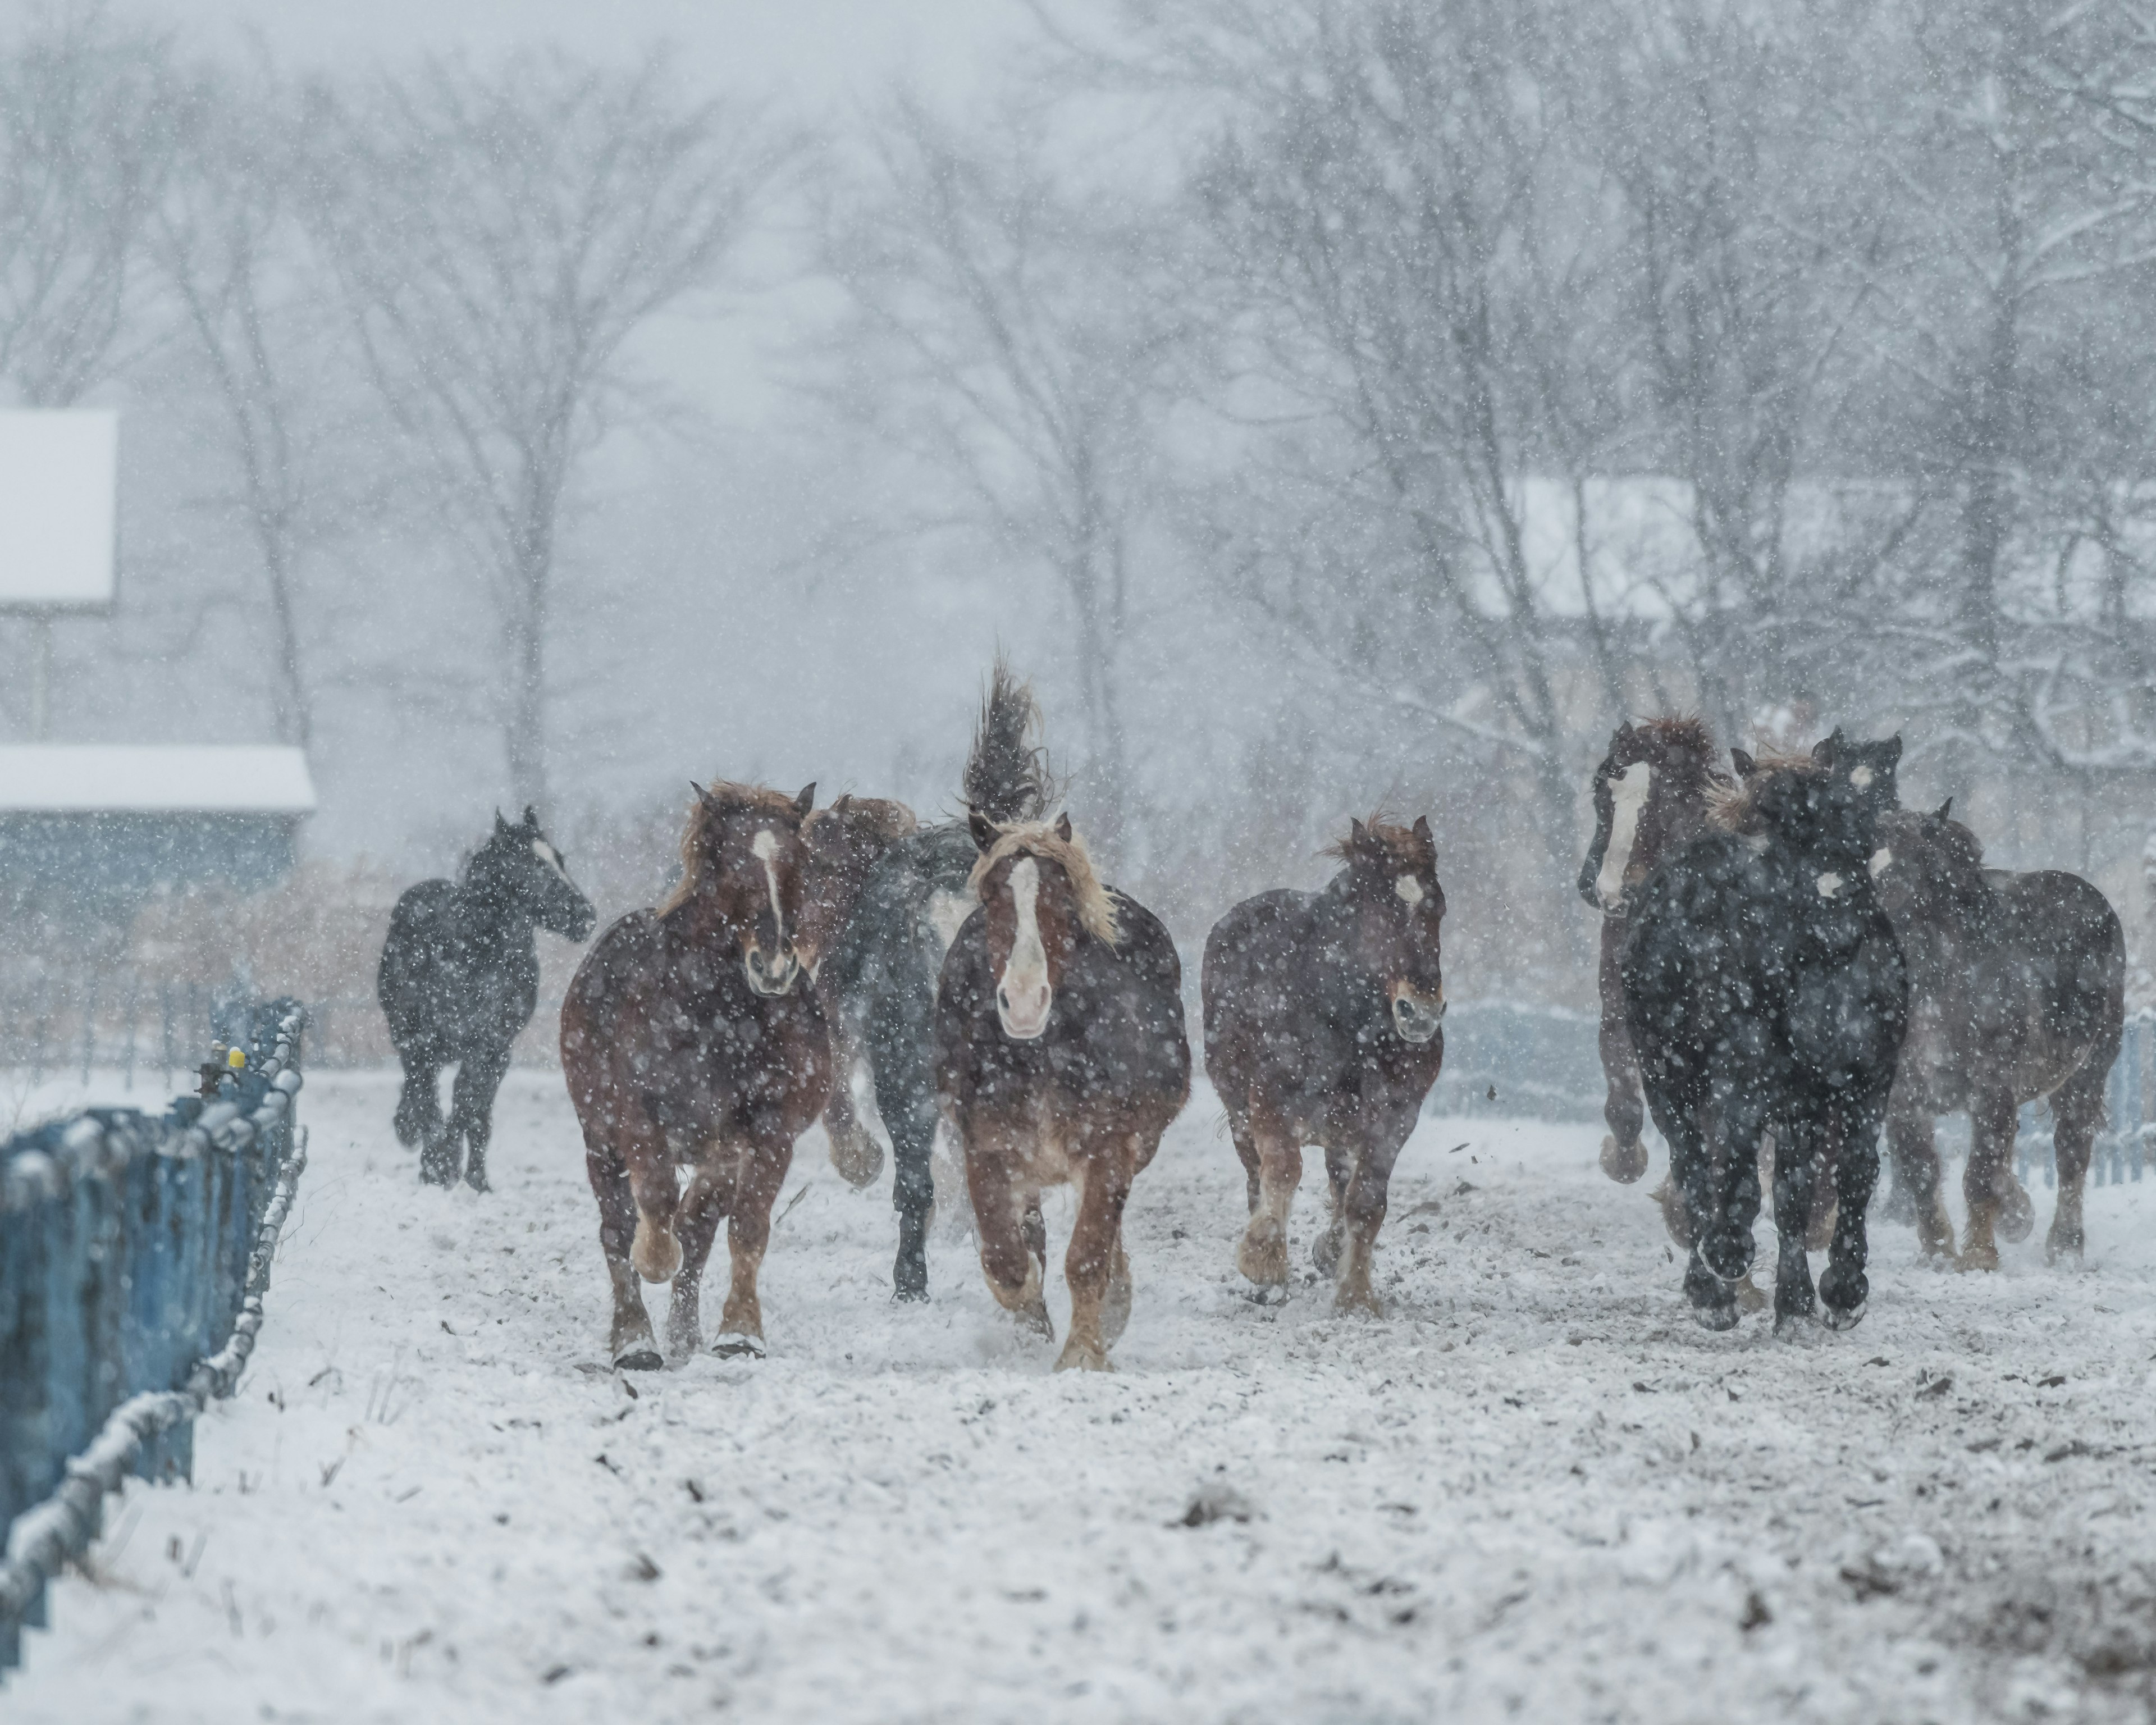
(1014, 333)
(499, 236)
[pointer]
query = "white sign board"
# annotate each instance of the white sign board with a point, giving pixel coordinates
(154, 778)
(59, 491)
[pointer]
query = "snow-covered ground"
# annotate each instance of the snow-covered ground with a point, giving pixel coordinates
(1535, 1489)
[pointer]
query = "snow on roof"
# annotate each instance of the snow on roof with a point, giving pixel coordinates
(56, 778)
(59, 497)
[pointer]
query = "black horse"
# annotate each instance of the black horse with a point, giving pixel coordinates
(879, 979)
(1764, 987)
(458, 980)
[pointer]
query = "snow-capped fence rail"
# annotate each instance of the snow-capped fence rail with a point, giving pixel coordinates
(135, 1249)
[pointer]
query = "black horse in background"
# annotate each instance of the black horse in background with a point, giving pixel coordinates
(880, 978)
(458, 980)
(1764, 989)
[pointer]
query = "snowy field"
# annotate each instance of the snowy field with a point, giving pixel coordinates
(1535, 1489)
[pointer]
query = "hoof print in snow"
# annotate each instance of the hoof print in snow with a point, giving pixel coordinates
(1215, 1502)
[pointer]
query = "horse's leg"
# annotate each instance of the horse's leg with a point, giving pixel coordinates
(418, 1103)
(1714, 1266)
(1825, 1208)
(656, 1189)
(1001, 1209)
(1325, 1249)
(2076, 1113)
(906, 1097)
(630, 1345)
(1912, 1147)
(696, 1224)
(1991, 1123)
(855, 1151)
(439, 1157)
(755, 1186)
(1624, 1153)
(1797, 1192)
(1362, 1214)
(1102, 1170)
(471, 1109)
(1262, 1256)
(1844, 1288)
(1246, 1151)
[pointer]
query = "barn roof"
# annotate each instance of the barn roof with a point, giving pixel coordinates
(59, 491)
(169, 778)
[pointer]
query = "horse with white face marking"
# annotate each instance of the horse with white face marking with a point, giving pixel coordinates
(691, 1039)
(1651, 800)
(458, 980)
(1322, 1016)
(1060, 1054)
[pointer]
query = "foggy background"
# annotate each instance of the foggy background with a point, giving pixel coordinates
(1330, 405)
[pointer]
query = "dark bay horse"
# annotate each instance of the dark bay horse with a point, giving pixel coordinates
(1764, 987)
(1322, 1026)
(1060, 1053)
(691, 1039)
(458, 982)
(881, 979)
(2016, 991)
(1651, 800)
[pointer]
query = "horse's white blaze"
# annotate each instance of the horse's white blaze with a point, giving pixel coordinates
(1628, 796)
(947, 912)
(765, 846)
(1861, 777)
(552, 857)
(1829, 884)
(1409, 889)
(1882, 859)
(1022, 992)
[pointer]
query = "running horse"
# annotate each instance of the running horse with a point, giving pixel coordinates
(2017, 990)
(1322, 1025)
(691, 1039)
(1061, 1057)
(459, 981)
(1651, 800)
(1764, 988)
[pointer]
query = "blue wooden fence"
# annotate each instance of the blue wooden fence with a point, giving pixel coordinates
(1543, 1063)
(134, 1252)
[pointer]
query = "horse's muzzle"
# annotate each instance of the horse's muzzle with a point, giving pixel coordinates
(769, 977)
(1417, 1020)
(1023, 1020)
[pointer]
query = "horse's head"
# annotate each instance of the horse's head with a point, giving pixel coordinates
(520, 869)
(1390, 886)
(1869, 767)
(1649, 794)
(844, 842)
(743, 863)
(1929, 867)
(1819, 812)
(1041, 899)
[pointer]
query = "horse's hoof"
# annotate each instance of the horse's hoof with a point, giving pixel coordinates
(475, 1177)
(1820, 1236)
(1977, 1258)
(858, 1165)
(2056, 1249)
(655, 1252)
(1899, 1208)
(1623, 1163)
(1262, 1256)
(638, 1359)
(1362, 1304)
(1325, 1252)
(736, 1345)
(1087, 1358)
(1844, 1318)
(1749, 1296)
(1676, 1217)
(909, 1281)
(1719, 1316)
(435, 1172)
(1729, 1253)
(2017, 1215)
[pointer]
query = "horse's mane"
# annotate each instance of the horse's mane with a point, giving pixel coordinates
(1684, 734)
(1732, 803)
(1007, 777)
(1097, 910)
(877, 816)
(1399, 843)
(719, 800)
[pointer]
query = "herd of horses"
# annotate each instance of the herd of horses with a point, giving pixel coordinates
(1791, 964)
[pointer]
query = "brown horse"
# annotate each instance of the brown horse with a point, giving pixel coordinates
(845, 842)
(2016, 991)
(1651, 794)
(1322, 1015)
(1061, 1057)
(691, 1037)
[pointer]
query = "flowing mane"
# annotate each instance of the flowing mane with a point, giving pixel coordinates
(719, 800)
(1401, 848)
(1096, 909)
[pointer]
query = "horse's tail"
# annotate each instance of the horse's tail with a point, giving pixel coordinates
(1007, 776)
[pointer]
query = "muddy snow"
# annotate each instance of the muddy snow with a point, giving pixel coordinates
(1534, 1488)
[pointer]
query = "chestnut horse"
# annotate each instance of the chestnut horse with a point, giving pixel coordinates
(1323, 1017)
(691, 1037)
(2016, 991)
(1061, 1057)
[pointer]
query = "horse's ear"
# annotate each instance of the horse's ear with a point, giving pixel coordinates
(1063, 826)
(500, 824)
(1893, 747)
(1356, 838)
(807, 800)
(702, 795)
(1624, 728)
(1421, 830)
(1744, 764)
(1946, 810)
(530, 817)
(1827, 747)
(845, 801)
(985, 831)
